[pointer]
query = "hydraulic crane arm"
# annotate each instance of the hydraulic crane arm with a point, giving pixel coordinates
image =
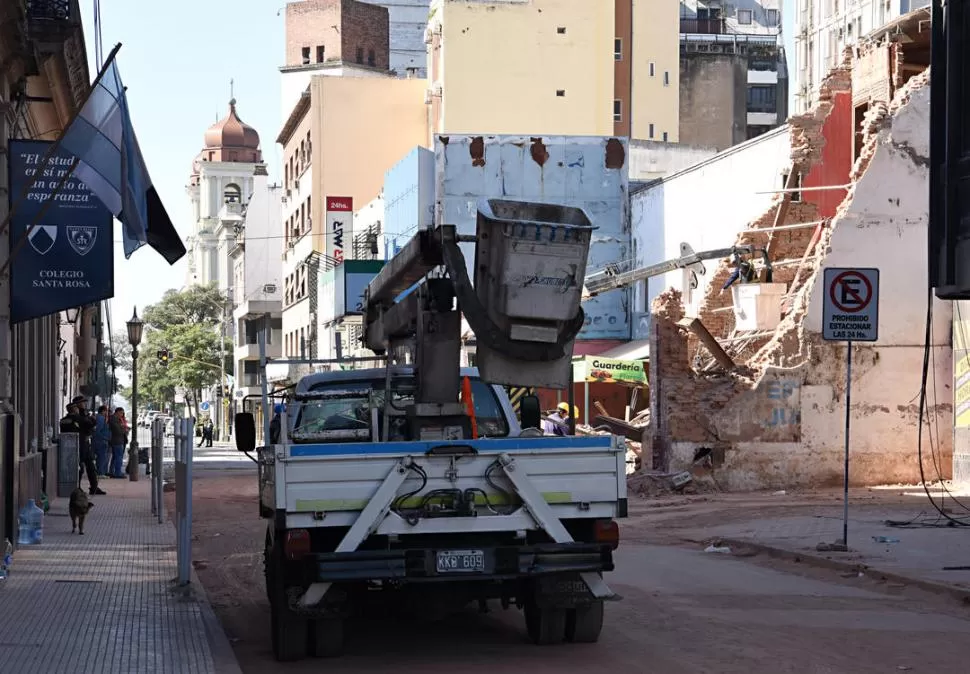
(613, 277)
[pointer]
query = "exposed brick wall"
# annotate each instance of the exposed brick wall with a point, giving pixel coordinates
(340, 27)
(365, 31)
(688, 403)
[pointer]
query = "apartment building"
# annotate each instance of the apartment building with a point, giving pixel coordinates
(599, 67)
(733, 72)
(823, 30)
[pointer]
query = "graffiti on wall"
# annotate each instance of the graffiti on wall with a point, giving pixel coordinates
(784, 403)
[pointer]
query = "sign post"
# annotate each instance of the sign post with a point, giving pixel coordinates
(850, 313)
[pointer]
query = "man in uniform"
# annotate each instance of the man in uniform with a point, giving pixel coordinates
(85, 429)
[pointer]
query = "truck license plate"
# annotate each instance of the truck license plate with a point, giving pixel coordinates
(460, 561)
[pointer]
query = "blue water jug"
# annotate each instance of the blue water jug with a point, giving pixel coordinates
(35, 516)
(25, 535)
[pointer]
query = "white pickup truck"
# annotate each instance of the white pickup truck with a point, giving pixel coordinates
(360, 514)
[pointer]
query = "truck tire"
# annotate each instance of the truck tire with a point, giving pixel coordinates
(326, 637)
(583, 625)
(545, 625)
(289, 630)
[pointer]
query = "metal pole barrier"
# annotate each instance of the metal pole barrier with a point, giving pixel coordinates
(159, 444)
(180, 491)
(151, 464)
(189, 447)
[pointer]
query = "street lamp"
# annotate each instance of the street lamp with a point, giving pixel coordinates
(135, 328)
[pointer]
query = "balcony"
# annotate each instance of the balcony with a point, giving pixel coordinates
(703, 26)
(52, 22)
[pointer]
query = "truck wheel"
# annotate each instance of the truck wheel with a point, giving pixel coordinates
(545, 625)
(326, 637)
(289, 629)
(583, 625)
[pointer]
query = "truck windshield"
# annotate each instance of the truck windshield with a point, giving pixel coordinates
(343, 412)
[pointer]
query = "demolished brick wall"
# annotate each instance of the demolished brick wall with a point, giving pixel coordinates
(708, 407)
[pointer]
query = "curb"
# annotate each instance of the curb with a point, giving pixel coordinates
(936, 587)
(223, 657)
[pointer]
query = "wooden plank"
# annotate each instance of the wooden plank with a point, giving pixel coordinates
(707, 339)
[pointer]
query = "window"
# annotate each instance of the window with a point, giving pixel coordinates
(666, 78)
(232, 194)
(653, 68)
(360, 54)
(618, 49)
(665, 137)
(763, 98)
(744, 17)
(560, 92)
(561, 30)
(320, 53)
(371, 58)
(617, 110)
(306, 55)
(772, 17)
(346, 416)
(650, 131)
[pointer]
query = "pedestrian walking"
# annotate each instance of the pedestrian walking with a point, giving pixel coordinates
(207, 430)
(119, 438)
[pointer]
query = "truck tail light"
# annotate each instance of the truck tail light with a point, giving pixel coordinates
(607, 532)
(296, 544)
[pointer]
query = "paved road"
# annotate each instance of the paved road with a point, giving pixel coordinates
(683, 611)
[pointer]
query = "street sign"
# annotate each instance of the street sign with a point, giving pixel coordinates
(204, 406)
(850, 305)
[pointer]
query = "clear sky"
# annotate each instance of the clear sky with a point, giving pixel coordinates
(177, 58)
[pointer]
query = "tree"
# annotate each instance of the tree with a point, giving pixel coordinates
(121, 349)
(187, 324)
(197, 304)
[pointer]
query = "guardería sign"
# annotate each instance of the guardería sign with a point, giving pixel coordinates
(850, 306)
(611, 370)
(67, 260)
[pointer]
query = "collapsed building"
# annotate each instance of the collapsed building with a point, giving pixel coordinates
(766, 407)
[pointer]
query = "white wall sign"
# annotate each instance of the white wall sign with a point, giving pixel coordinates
(850, 306)
(340, 213)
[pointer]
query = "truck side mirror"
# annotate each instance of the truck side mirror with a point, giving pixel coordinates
(529, 413)
(245, 427)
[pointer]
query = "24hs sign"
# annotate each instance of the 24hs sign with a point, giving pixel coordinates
(850, 310)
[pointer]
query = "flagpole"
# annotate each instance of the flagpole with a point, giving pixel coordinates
(54, 147)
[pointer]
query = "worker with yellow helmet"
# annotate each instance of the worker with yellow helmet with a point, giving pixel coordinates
(557, 423)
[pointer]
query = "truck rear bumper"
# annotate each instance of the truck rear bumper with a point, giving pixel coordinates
(444, 565)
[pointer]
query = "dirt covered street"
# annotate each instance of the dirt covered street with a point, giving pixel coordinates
(682, 611)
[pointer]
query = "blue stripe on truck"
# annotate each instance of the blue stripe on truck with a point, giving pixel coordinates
(495, 445)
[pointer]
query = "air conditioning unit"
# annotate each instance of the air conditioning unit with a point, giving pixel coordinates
(296, 183)
(428, 95)
(270, 288)
(290, 244)
(289, 193)
(439, 90)
(427, 35)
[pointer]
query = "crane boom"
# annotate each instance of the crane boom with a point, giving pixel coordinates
(612, 277)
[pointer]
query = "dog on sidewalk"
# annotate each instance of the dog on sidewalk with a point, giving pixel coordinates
(79, 507)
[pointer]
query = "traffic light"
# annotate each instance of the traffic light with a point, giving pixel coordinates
(163, 357)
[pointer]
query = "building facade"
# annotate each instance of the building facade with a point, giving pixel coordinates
(407, 20)
(332, 38)
(337, 144)
(44, 69)
(646, 103)
(257, 288)
(558, 79)
(733, 73)
(824, 28)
